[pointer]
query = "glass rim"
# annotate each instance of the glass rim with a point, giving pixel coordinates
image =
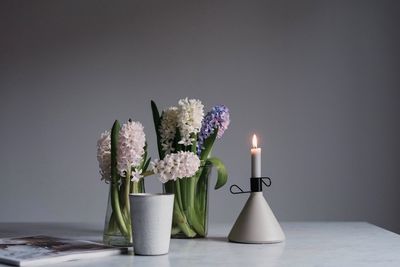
(150, 194)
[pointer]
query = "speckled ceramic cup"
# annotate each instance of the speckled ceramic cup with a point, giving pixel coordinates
(151, 222)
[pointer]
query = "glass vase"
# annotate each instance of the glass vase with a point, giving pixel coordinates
(190, 216)
(117, 226)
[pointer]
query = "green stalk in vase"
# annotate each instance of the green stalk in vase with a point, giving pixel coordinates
(126, 190)
(193, 217)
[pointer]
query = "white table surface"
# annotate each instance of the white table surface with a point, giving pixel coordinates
(307, 244)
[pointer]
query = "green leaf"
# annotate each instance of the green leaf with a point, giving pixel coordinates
(144, 157)
(221, 170)
(208, 144)
(157, 122)
(146, 165)
(114, 145)
(177, 138)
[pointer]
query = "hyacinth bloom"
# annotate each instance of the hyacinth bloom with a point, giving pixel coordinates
(190, 116)
(131, 143)
(177, 165)
(104, 156)
(168, 125)
(218, 117)
(187, 118)
(130, 150)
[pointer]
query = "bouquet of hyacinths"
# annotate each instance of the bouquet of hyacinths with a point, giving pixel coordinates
(185, 138)
(123, 162)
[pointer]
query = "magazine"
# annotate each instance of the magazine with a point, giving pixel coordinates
(37, 250)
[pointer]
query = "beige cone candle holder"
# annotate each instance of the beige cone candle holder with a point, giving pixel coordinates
(256, 223)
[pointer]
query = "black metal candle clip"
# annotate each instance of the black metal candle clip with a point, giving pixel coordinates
(255, 185)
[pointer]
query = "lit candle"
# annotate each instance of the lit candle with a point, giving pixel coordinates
(255, 159)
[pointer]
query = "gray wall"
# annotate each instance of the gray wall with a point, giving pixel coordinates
(317, 80)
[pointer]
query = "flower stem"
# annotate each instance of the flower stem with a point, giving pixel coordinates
(181, 220)
(127, 190)
(193, 216)
(178, 195)
(180, 217)
(117, 209)
(147, 173)
(112, 224)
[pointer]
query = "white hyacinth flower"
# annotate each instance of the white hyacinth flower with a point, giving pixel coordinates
(136, 175)
(177, 165)
(104, 156)
(169, 122)
(131, 143)
(190, 116)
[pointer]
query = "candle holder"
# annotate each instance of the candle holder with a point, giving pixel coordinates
(256, 223)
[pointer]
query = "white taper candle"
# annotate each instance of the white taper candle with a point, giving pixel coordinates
(255, 159)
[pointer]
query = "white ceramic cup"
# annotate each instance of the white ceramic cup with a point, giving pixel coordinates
(151, 217)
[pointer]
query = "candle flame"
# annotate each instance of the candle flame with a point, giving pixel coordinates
(254, 141)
